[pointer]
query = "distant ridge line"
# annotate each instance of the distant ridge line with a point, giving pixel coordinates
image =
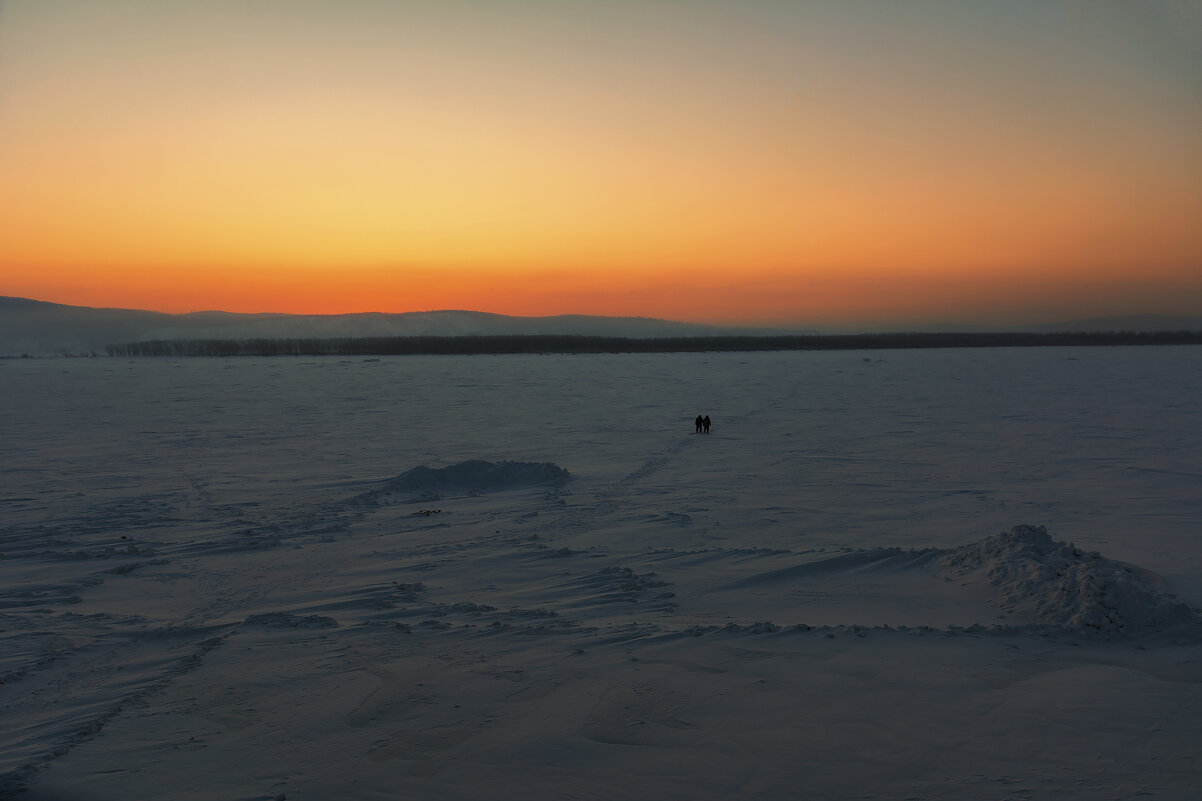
(569, 343)
(41, 328)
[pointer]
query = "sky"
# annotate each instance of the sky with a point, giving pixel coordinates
(837, 163)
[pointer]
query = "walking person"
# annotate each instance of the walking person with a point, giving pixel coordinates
(699, 423)
(705, 423)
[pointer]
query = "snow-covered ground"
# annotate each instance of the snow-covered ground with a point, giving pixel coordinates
(372, 578)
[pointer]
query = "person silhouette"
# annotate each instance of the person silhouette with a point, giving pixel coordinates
(705, 423)
(699, 423)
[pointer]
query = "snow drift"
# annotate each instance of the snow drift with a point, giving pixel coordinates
(476, 475)
(1056, 583)
(1035, 582)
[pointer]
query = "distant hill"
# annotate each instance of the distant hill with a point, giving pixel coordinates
(38, 328)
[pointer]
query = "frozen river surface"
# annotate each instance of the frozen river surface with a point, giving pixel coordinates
(221, 579)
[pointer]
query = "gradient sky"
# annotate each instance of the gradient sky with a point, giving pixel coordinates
(837, 163)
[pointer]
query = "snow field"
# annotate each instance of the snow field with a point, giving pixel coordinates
(366, 579)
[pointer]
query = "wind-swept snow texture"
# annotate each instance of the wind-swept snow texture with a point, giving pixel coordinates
(525, 577)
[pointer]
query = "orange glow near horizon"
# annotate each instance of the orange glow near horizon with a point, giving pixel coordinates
(507, 164)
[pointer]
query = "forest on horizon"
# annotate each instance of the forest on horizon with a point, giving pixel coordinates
(556, 343)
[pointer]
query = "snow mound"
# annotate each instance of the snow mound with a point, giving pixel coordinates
(1059, 585)
(476, 475)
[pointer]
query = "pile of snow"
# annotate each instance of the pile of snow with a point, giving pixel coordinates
(476, 475)
(1060, 585)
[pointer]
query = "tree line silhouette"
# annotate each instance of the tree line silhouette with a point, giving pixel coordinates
(569, 343)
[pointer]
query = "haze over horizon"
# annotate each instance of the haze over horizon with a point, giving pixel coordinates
(847, 164)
